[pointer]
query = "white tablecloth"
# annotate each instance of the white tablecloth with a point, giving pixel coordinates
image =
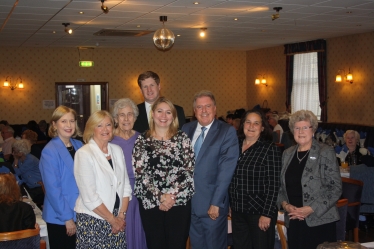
(39, 220)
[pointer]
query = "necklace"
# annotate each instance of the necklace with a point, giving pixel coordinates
(107, 154)
(297, 155)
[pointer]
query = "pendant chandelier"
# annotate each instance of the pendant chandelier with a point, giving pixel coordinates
(163, 38)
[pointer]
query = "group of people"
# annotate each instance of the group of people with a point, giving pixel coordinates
(145, 179)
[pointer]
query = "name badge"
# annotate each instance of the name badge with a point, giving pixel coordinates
(313, 158)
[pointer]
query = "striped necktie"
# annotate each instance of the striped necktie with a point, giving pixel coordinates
(199, 141)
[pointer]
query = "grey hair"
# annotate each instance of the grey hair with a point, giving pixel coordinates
(303, 115)
(357, 135)
(22, 145)
(10, 129)
(204, 93)
(122, 103)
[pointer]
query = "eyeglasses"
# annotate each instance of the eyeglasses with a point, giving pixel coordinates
(128, 115)
(304, 128)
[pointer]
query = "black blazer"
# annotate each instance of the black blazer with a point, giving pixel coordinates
(16, 216)
(141, 123)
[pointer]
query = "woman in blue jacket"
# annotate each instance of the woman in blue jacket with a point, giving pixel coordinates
(57, 169)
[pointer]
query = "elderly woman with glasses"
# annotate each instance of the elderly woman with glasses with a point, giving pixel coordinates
(310, 186)
(125, 113)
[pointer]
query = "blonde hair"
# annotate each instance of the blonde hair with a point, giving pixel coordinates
(57, 114)
(92, 123)
(173, 128)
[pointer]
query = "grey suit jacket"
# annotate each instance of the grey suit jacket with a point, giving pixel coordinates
(214, 167)
(321, 183)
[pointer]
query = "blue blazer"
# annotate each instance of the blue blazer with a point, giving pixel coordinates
(57, 168)
(214, 167)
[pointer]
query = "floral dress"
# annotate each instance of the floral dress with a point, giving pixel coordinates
(163, 167)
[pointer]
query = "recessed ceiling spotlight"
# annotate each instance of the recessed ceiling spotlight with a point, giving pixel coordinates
(202, 32)
(196, 3)
(235, 19)
(138, 26)
(54, 32)
(349, 12)
(81, 12)
(358, 25)
(178, 35)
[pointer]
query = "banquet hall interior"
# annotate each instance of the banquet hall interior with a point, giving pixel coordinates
(244, 41)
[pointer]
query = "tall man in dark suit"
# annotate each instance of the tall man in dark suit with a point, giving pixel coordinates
(214, 167)
(149, 84)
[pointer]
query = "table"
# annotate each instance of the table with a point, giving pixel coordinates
(39, 220)
(369, 245)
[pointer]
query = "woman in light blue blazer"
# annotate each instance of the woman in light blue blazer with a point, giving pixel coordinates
(57, 169)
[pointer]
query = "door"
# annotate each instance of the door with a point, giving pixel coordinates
(83, 97)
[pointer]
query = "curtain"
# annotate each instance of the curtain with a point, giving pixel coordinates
(289, 81)
(305, 83)
(318, 46)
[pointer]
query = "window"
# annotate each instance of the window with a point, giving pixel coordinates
(305, 84)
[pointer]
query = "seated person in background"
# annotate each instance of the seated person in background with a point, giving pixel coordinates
(273, 121)
(236, 123)
(15, 215)
(43, 127)
(7, 133)
(26, 167)
(352, 140)
(230, 119)
(32, 125)
(32, 137)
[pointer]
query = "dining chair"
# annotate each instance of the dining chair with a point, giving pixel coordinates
(282, 236)
(28, 238)
(342, 206)
(352, 190)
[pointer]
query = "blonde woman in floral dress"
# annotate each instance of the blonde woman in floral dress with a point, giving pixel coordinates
(164, 162)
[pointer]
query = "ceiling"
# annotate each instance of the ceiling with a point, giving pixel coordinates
(38, 23)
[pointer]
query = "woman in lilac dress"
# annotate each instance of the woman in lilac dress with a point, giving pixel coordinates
(125, 113)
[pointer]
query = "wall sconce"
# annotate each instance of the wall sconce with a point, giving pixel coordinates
(67, 30)
(348, 77)
(8, 84)
(262, 81)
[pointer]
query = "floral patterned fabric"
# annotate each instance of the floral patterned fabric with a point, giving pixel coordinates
(163, 167)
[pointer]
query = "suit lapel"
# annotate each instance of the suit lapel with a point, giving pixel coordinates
(64, 153)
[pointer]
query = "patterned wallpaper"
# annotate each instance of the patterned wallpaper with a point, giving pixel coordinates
(182, 73)
(347, 103)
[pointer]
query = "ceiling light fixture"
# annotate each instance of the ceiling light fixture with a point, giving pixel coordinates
(202, 32)
(67, 30)
(163, 38)
(276, 15)
(104, 8)
(196, 3)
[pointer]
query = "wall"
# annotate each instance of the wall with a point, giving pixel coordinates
(182, 74)
(347, 103)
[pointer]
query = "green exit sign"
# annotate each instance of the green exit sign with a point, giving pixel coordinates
(86, 63)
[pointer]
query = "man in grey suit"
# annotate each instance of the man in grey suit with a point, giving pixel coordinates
(149, 84)
(216, 153)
